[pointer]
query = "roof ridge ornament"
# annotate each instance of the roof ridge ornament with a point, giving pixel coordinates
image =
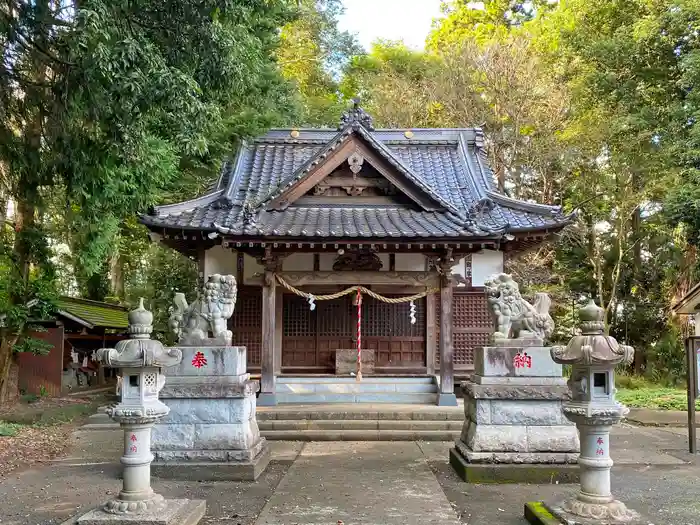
(356, 116)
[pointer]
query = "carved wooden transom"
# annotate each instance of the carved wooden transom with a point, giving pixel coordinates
(364, 260)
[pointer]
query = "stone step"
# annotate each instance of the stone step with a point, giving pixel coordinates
(353, 380)
(354, 411)
(361, 435)
(360, 424)
(355, 388)
(363, 397)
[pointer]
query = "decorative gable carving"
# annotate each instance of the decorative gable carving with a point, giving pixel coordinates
(355, 162)
(358, 260)
(352, 167)
(344, 182)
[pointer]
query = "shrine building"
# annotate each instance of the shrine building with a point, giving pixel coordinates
(402, 212)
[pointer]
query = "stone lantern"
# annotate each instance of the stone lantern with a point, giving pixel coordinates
(140, 360)
(593, 357)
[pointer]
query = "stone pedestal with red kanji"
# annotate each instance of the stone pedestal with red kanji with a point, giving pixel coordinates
(211, 432)
(514, 428)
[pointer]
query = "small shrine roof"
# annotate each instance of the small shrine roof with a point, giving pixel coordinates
(93, 314)
(444, 169)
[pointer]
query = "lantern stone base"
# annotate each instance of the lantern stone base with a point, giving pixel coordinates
(173, 512)
(613, 513)
(211, 432)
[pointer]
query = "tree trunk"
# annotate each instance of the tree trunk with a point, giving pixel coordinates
(9, 371)
(117, 276)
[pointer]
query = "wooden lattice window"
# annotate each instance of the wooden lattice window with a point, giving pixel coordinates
(382, 319)
(298, 320)
(471, 326)
(246, 323)
(337, 318)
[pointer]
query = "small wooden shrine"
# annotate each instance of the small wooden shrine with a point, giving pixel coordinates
(298, 215)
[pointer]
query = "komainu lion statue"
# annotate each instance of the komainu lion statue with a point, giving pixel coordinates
(514, 317)
(209, 313)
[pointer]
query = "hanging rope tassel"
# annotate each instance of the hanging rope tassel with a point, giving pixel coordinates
(358, 377)
(412, 313)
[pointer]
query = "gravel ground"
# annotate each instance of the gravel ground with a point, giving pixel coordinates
(90, 475)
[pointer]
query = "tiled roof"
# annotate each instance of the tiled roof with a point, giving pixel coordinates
(93, 314)
(448, 165)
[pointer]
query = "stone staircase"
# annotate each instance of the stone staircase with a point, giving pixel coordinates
(415, 390)
(345, 422)
(360, 422)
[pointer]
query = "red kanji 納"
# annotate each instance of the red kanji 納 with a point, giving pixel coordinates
(198, 361)
(600, 452)
(132, 448)
(522, 360)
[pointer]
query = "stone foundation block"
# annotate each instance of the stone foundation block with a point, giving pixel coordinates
(555, 438)
(514, 392)
(516, 381)
(500, 438)
(210, 361)
(346, 361)
(202, 456)
(512, 473)
(239, 436)
(520, 438)
(515, 457)
(231, 469)
(527, 412)
(211, 431)
(168, 437)
(514, 361)
(212, 388)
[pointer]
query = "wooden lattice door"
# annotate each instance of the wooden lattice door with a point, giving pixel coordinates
(387, 329)
(246, 323)
(311, 337)
(298, 332)
(471, 326)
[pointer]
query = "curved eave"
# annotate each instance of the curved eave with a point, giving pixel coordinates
(179, 207)
(540, 209)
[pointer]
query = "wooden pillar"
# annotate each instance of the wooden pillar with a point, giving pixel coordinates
(278, 330)
(269, 315)
(431, 305)
(447, 384)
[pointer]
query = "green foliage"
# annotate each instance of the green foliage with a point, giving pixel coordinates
(483, 21)
(9, 429)
(156, 277)
(667, 360)
(655, 397)
(312, 53)
(107, 108)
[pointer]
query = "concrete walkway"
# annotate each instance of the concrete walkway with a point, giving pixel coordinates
(659, 418)
(364, 483)
(359, 483)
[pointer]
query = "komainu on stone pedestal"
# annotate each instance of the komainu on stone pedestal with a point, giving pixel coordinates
(514, 428)
(209, 313)
(513, 316)
(211, 432)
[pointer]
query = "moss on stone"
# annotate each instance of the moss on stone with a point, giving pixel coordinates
(512, 473)
(537, 513)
